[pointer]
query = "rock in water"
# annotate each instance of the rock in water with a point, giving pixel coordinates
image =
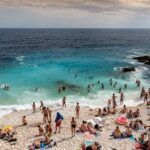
(128, 69)
(143, 59)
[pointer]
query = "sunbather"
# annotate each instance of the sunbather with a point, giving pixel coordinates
(24, 121)
(124, 109)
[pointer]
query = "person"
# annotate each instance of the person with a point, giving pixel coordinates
(64, 102)
(24, 121)
(124, 109)
(104, 113)
(102, 86)
(110, 80)
(77, 110)
(91, 129)
(113, 110)
(121, 98)
(73, 126)
(41, 130)
(59, 90)
(83, 127)
(98, 82)
(49, 111)
(120, 90)
(114, 100)
(48, 129)
(58, 121)
(125, 86)
(128, 132)
(34, 107)
(94, 146)
(115, 84)
(138, 82)
(142, 92)
(136, 113)
(146, 97)
(45, 115)
(41, 105)
(129, 114)
(149, 92)
(109, 103)
(117, 133)
(99, 112)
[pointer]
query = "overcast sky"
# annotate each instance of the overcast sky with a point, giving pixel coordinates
(75, 13)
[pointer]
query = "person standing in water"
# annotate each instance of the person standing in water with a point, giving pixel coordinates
(110, 80)
(121, 98)
(125, 86)
(120, 90)
(34, 107)
(102, 86)
(41, 105)
(64, 102)
(73, 126)
(77, 110)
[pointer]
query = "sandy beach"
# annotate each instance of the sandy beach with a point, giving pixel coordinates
(27, 134)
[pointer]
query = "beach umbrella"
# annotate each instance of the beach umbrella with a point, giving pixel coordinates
(7, 128)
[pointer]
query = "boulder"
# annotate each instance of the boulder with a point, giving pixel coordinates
(144, 59)
(128, 69)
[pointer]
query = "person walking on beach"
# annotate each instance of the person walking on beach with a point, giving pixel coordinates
(34, 107)
(109, 103)
(146, 97)
(142, 92)
(41, 105)
(49, 111)
(45, 115)
(64, 102)
(77, 110)
(121, 98)
(73, 126)
(58, 121)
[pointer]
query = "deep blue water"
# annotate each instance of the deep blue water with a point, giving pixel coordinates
(49, 58)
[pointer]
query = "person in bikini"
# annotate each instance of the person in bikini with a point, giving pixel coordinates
(45, 115)
(77, 110)
(73, 126)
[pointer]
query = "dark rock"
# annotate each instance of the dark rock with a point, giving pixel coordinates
(128, 69)
(143, 59)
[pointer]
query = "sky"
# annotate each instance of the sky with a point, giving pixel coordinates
(74, 13)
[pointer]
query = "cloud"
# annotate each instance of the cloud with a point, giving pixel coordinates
(99, 6)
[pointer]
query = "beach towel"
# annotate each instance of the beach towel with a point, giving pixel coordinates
(58, 117)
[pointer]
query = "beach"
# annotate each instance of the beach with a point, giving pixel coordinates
(27, 134)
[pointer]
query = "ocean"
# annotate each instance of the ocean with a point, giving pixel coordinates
(36, 62)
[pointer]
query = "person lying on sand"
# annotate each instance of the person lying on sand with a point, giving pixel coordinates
(24, 121)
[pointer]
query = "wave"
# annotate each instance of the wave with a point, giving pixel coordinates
(20, 58)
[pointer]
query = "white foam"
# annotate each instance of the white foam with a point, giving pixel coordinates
(20, 58)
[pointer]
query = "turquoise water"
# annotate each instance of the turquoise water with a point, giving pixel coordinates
(47, 59)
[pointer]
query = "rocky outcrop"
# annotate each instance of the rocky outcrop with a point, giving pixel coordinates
(143, 59)
(128, 69)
